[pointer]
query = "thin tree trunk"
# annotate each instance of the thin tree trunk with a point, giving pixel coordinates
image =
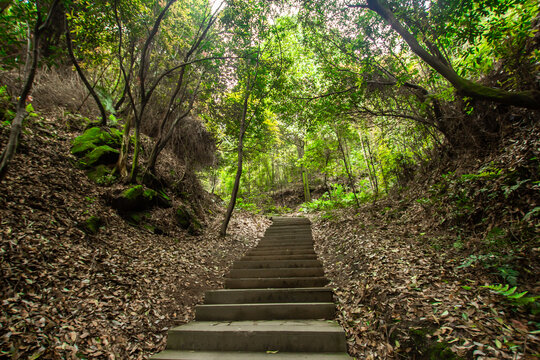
(236, 185)
(16, 125)
(349, 175)
(89, 87)
(4, 4)
(373, 167)
(164, 138)
(372, 180)
(121, 165)
(303, 171)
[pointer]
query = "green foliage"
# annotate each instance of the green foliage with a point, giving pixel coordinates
(7, 110)
(338, 197)
(241, 203)
(92, 225)
(513, 297)
(100, 155)
(101, 175)
(95, 137)
(276, 210)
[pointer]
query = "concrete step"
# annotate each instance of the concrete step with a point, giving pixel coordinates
(274, 335)
(288, 234)
(280, 257)
(276, 272)
(285, 282)
(284, 246)
(279, 252)
(286, 243)
(264, 311)
(268, 264)
(289, 295)
(244, 355)
(287, 239)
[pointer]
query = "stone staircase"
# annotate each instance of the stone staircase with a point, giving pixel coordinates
(274, 306)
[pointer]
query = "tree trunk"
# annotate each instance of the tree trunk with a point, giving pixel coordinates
(16, 125)
(303, 171)
(136, 152)
(349, 175)
(375, 178)
(526, 99)
(121, 165)
(236, 185)
(4, 4)
(82, 76)
(371, 175)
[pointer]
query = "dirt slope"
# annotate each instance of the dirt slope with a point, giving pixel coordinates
(69, 295)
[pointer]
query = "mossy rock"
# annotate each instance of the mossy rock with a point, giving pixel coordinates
(136, 218)
(101, 155)
(183, 217)
(195, 228)
(92, 225)
(187, 221)
(427, 348)
(95, 137)
(77, 122)
(101, 175)
(86, 142)
(135, 198)
(163, 200)
(441, 351)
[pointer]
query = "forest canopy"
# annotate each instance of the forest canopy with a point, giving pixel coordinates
(338, 96)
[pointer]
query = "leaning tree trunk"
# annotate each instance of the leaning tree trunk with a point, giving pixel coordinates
(89, 87)
(348, 170)
(236, 185)
(526, 99)
(16, 125)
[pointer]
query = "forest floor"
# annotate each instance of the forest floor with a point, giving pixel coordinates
(401, 285)
(70, 295)
(402, 288)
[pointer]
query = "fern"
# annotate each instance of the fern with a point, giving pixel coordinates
(515, 298)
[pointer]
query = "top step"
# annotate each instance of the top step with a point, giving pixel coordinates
(284, 220)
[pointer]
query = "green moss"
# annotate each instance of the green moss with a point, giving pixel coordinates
(95, 137)
(195, 228)
(100, 155)
(133, 192)
(92, 225)
(136, 218)
(429, 350)
(86, 142)
(183, 217)
(150, 194)
(441, 351)
(101, 175)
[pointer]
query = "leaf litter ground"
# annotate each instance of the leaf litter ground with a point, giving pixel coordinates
(69, 295)
(399, 296)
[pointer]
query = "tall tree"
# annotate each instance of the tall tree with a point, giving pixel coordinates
(41, 23)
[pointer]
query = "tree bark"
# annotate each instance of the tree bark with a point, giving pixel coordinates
(527, 99)
(121, 164)
(303, 171)
(347, 169)
(4, 4)
(16, 125)
(89, 87)
(236, 185)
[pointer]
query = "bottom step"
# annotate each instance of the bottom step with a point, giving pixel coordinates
(274, 335)
(215, 355)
